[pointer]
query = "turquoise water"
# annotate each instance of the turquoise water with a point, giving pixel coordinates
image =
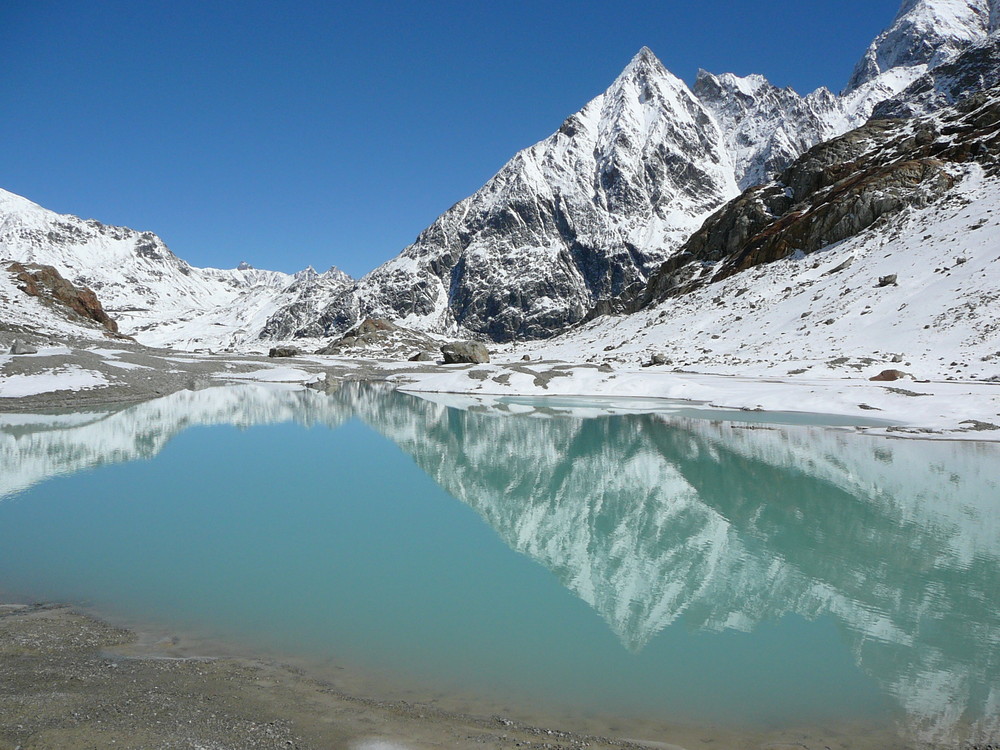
(644, 565)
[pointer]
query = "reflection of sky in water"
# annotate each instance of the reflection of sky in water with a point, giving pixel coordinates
(748, 571)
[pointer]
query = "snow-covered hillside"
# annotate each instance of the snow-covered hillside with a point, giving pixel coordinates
(802, 315)
(153, 295)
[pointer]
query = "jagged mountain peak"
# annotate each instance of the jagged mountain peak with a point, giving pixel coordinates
(925, 33)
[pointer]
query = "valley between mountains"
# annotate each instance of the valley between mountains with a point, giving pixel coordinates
(729, 242)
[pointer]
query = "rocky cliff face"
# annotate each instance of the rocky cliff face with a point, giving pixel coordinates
(46, 283)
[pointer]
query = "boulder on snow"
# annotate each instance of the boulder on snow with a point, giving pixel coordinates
(889, 280)
(283, 351)
(465, 352)
(19, 347)
(658, 360)
(887, 376)
(422, 357)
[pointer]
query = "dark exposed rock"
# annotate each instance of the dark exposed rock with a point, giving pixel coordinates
(283, 351)
(46, 283)
(465, 352)
(422, 357)
(889, 280)
(888, 376)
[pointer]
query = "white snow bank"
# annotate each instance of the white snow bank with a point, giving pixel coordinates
(947, 408)
(69, 378)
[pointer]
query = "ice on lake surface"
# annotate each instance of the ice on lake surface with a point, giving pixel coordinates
(650, 565)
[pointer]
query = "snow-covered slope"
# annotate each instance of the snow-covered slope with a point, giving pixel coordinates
(795, 276)
(151, 293)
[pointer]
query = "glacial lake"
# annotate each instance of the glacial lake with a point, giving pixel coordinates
(654, 566)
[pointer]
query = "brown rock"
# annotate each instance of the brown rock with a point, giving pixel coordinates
(47, 283)
(890, 375)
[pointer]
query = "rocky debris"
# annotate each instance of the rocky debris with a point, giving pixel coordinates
(889, 376)
(658, 360)
(377, 337)
(19, 347)
(465, 352)
(283, 351)
(46, 283)
(974, 425)
(889, 280)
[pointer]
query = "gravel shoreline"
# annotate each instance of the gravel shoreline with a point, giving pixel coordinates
(70, 681)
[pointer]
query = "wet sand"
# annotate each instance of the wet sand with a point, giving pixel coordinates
(71, 681)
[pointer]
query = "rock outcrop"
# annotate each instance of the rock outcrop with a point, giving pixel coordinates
(380, 338)
(465, 352)
(46, 283)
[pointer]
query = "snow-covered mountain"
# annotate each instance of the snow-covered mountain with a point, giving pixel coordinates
(151, 293)
(925, 34)
(589, 211)
(882, 245)
(580, 216)
(577, 219)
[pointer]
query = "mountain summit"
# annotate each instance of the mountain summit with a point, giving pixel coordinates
(925, 34)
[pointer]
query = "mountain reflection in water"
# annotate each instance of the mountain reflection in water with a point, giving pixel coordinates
(649, 519)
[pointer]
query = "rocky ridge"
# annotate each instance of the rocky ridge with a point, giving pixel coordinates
(835, 191)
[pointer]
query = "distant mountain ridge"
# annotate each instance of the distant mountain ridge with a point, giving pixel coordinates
(152, 294)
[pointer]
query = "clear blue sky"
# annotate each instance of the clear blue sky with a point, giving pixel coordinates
(296, 133)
